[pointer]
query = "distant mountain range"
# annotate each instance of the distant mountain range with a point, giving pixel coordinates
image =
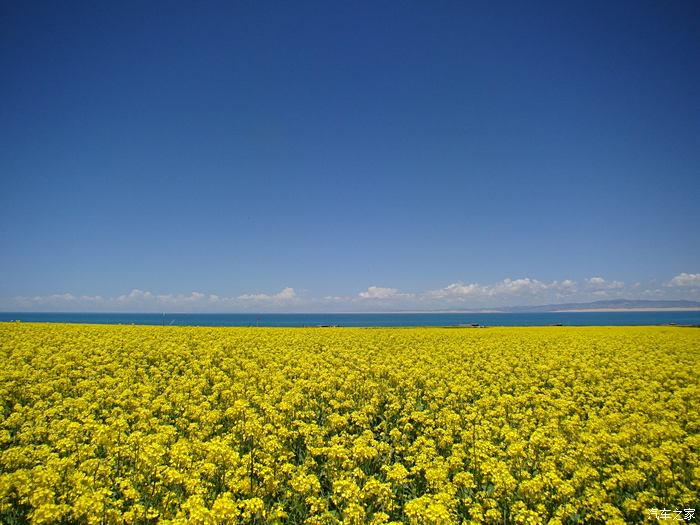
(607, 305)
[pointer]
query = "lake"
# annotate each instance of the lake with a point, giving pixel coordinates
(365, 319)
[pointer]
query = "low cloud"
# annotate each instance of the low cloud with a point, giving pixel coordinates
(507, 288)
(457, 290)
(146, 301)
(378, 292)
(685, 280)
(599, 284)
(459, 294)
(335, 299)
(287, 294)
(137, 296)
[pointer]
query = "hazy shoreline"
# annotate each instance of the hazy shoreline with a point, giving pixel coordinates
(611, 310)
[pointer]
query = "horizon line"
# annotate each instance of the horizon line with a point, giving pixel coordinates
(384, 312)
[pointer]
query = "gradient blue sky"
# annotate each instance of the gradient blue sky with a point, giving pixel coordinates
(288, 156)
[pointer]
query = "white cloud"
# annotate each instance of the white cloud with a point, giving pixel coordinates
(685, 280)
(58, 299)
(143, 300)
(378, 292)
(135, 295)
(456, 290)
(507, 292)
(194, 297)
(506, 288)
(598, 283)
(287, 294)
(524, 286)
(335, 299)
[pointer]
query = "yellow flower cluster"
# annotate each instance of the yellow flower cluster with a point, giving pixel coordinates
(128, 424)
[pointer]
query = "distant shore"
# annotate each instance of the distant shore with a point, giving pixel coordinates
(610, 310)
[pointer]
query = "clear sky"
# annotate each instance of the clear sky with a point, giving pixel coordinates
(246, 155)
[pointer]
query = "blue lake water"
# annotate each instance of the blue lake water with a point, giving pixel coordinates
(373, 319)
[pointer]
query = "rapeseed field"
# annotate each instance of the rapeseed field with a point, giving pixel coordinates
(129, 424)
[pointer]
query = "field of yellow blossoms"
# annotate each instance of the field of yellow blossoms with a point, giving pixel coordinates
(129, 424)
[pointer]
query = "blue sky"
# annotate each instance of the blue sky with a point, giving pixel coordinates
(235, 156)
